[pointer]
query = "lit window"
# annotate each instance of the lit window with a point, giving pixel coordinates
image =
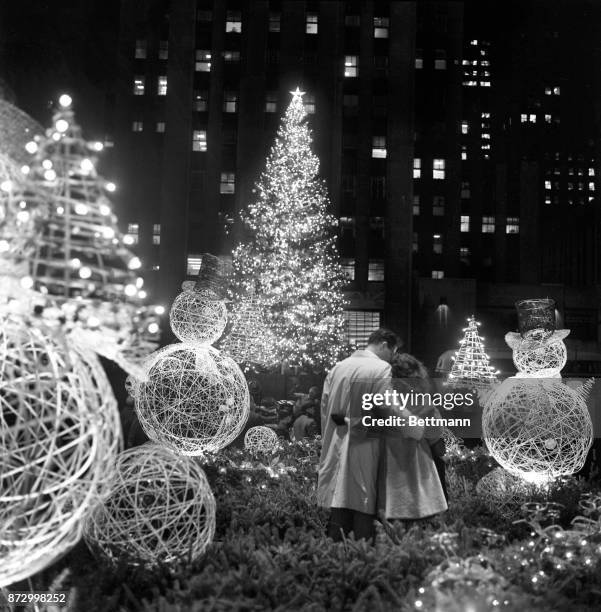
(416, 205)
(350, 66)
(375, 271)
(464, 127)
(231, 56)
(533, 118)
(417, 167)
(140, 49)
(203, 61)
(156, 268)
(309, 103)
(523, 118)
(464, 252)
(547, 184)
(133, 233)
(193, 267)
(466, 190)
(199, 140)
(465, 223)
(156, 234)
(470, 83)
(463, 152)
(201, 101)
(163, 49)
(360, 325)
(233, 22)
(513, 225)
(162, 86)
(484, 83)
(379, 147)
(228, 183)
(547, 118)
(438, 169)
(485, 115)
(485, 136)
(438, 203)
(437, 244)
(348, 268)
(230, 102)
(419, 59)
(580, 186)
(353, 21)
(556, 91)
(160, 126)
(139, 85)
(440, 61)
(311, 23)
(271, 102)
(437, 274)
(548, 91)
(488, 225)
(591, 186)
(137, 126)
(591, 172)
(381, 27)
(474, 43)
(274, 22)
(547, 199)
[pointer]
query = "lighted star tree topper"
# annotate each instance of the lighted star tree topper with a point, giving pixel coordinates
(288, 260)
(471, 366)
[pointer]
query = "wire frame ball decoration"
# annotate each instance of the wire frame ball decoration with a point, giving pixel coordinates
(192, 398)
(537, 429)
(540, 359)
(59, 437)
(160, 510)
(503, 493)
(196, 316)
(17, 128)
(260, 439)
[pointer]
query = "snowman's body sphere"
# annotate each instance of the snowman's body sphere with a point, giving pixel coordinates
(192, 398)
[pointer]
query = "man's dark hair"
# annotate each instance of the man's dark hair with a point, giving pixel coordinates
(384, 335)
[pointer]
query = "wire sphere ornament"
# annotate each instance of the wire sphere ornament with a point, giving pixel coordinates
(59, 438)
(160, 510)
(503, 492)
(541, 359)
(17, 128)
(195, 316)
(537, 429)
(192, 398)
(260, 439)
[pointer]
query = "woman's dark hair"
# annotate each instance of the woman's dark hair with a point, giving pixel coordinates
(384, 335)
(405, 365)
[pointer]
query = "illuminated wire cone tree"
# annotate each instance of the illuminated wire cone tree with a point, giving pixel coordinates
(471, 367)
(288, 259)
(80, 251)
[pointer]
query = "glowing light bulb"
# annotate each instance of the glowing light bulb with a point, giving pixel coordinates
(75, 263)
(61, 125)
(4, 246)
(6, 185)
(153, 328)
(128, 239)
(160, 310)
(142, 294)
(108, 232)
(65, 100)
(111, 187)
(87, 165)
(105, 210)
(139, 282)
(46, 164)
(130, 290)
(98, 146)
(81, 209)
(27, 282)
(25, 169)
(31, 147)
(60, 210)
(134, 263)
(85, 272)
(56, 136)
(93, 321)
(50, 175)
(23, 216)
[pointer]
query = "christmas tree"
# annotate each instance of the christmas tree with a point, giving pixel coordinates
(79, 251)
(289, 260)
(471, 367)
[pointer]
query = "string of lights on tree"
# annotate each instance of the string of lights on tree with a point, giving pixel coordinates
(288, 259)
(471, 366)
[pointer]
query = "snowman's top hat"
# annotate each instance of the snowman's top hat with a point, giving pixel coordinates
(536, 318)
(213, 277)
